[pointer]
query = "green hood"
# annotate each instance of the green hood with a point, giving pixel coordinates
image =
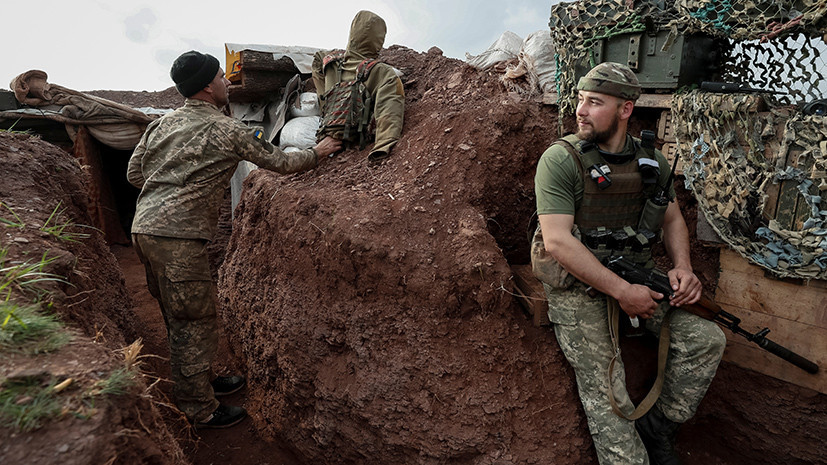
(367, 35)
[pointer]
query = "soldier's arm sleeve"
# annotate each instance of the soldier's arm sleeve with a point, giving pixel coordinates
(555, 183)
(134, 174)
(316, 69)
(250, 144)
(389, 111)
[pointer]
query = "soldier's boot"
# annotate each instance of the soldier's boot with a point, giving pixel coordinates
(658, 435)
(224, 416)
(226, 385)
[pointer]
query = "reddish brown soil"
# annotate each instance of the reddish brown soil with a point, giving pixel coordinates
(369, 306)
(122, 429)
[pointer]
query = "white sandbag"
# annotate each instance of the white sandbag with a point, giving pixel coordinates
(505, 48)
(306, 104)
(300, 132)
(291, 149)
(537, 54)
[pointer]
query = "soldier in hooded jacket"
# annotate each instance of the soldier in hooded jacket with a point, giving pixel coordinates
(182, 165)
(570, 202)
(367, 35)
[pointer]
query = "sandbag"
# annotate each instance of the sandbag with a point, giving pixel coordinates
(300, 132)
(505, 48)
(306, 104)
(537, 54)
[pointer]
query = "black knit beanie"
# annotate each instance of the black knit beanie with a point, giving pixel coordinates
(193, 71)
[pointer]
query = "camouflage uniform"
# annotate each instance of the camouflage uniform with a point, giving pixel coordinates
(367, 35)
(581, 322)
(182, 165)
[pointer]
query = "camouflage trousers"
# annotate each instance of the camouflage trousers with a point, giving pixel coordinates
(582, 329)
(178, 276)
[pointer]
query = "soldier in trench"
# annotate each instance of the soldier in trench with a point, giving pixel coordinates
(182, 165)
(595, 181)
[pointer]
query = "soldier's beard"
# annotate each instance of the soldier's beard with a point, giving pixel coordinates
(598, 137)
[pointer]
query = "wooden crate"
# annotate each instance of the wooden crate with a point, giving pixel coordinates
(531, 295)
(795, 312)
(256, 76)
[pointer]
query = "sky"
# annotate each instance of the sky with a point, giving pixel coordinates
(130, 45)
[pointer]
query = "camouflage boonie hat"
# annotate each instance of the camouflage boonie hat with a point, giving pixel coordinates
(611, 79)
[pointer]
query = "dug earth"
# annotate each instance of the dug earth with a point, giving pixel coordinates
(371, 308)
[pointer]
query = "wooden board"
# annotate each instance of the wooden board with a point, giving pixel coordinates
(666, 130)
(794, 311)
(261, 76)
(531, 294)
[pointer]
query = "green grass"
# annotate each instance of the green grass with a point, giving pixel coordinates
(25, 403)
(16, 223)
(116, 384)
(29, 330)
(61, 229)
(24, 276)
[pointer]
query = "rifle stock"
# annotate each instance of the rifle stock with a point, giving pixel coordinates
(704, 308)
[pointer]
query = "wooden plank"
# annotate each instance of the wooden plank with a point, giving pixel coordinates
(663, 101)
(802, 210)
(808, 341)
(655, 101)
(781, 299)
(666, 131)
(787, 202)
(532, 294)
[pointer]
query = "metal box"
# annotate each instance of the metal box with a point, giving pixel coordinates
(688, 60)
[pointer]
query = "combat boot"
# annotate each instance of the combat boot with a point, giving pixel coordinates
(223, 417)
(658, 435)
(226, 385)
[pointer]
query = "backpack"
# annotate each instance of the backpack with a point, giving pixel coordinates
(348, 106)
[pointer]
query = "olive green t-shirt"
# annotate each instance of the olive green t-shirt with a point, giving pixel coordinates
(558, 183)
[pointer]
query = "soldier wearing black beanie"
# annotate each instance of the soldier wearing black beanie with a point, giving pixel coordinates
(193, 71)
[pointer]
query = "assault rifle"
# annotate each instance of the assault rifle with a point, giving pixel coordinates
(705, 308)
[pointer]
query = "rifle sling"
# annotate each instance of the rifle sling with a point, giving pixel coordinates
(663, 351)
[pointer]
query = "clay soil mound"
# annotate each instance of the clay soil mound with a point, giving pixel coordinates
(373, 304)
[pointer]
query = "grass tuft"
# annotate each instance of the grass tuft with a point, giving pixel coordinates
(25, 403)
(16, 223)
(28, 330)
(116, 384)
(60, 229)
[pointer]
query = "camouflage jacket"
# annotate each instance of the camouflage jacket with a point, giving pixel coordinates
(367, 34)
(184, 162)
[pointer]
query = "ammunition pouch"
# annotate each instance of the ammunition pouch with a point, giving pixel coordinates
(651, 217)
(634, 245)
(545, 267)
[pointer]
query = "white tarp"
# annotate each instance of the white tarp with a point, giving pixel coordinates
(302, 56)
(505, 48)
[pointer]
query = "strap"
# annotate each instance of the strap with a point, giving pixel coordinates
(363, 69)
(573, 152)
(663, 352)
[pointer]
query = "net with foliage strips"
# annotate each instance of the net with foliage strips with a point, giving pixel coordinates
(756, 163)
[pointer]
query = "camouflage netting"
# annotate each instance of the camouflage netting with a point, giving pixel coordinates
(757, 171)
(759, 178)
(776, 45)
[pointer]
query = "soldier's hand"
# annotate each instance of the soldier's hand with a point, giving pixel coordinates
(687, 287)
(639, 300)
(327, 146)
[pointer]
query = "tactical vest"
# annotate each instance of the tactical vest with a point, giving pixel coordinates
(347, 108)
(618, 207)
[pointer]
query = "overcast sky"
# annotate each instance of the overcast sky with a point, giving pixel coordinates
(130, 45)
